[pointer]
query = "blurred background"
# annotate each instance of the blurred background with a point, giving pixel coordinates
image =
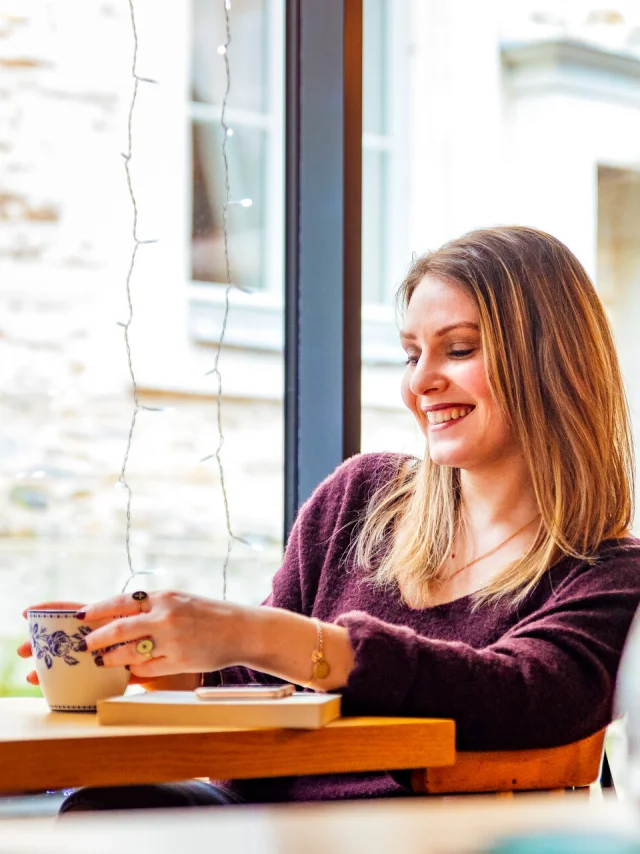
(475, 114)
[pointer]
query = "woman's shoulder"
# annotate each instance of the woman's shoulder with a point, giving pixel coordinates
(616, 568)
(347, 491)
(369, 470)
(621, 552)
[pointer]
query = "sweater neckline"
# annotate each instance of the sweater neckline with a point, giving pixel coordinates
(612, 542)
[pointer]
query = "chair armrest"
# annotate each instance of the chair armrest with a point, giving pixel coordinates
(569, 766)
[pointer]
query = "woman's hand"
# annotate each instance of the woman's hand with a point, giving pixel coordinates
(175, 682)
(190, 634)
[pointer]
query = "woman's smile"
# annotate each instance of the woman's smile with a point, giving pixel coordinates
(443, 418)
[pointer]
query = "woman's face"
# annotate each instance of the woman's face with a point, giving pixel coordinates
(445, 385)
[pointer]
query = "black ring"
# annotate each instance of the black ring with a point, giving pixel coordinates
(139, 595)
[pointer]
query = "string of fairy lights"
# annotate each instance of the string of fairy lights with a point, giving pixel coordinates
(227, 133)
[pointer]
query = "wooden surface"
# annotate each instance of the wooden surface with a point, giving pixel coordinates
(468, 825)
(576, 764)
(52, 750)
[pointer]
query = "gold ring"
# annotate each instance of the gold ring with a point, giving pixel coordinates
(145, 647)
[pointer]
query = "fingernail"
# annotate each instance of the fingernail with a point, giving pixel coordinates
(80, 615)
(98, 661)
(82, 645)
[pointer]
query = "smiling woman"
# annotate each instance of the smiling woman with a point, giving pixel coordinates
(492, 582)
(504, 325)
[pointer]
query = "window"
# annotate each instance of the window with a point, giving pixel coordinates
(256, 171)
(66, 394)
(254, 151)
(385, 215)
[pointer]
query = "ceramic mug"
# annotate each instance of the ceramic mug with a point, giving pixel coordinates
(69, 679)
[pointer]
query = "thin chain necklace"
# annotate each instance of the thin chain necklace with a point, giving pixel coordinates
(491, 551)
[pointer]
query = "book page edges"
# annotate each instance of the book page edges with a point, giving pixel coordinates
(128, 711)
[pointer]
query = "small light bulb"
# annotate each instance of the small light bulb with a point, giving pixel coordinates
(229, 131)
(222, 49)
(246, 203)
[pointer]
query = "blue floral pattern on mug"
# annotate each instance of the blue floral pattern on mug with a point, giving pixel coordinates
(49, 645)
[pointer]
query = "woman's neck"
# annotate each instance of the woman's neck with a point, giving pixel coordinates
(497, 497)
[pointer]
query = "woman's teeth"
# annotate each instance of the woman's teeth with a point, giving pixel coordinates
(440, 415)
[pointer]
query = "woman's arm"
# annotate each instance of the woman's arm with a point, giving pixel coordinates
(280, 643)
(549, 680)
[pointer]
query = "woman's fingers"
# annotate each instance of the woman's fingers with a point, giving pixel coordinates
(117, 632)
(51, 606)
(144, 671)
(123, 605)
(24, 650)
(146, 680)
(128, 654)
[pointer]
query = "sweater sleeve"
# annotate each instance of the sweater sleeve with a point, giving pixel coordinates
(549, 680)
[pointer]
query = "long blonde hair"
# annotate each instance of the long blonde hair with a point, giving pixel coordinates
(552, 368)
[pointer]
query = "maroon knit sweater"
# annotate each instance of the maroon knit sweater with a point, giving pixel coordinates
(536, 675)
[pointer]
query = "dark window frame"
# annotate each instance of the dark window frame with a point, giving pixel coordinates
(323, 227)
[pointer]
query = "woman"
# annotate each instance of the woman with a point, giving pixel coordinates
(492, 582)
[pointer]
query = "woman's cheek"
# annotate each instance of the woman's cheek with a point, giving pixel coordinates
(408, 397)
(472, 377)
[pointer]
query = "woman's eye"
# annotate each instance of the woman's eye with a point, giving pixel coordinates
(411, 360)
(460, 353)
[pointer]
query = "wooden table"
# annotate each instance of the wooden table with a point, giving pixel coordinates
(411, 826)
(52, 750)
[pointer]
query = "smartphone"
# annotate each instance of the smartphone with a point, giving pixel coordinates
(245, 692)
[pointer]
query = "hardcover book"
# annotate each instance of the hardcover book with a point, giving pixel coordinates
(183, 708)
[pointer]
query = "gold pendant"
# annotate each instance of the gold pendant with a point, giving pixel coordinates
(321, 669)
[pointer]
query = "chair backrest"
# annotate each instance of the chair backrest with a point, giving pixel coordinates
(570, 766)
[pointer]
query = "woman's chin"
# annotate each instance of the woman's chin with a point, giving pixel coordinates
(451, 460)
(453, 457)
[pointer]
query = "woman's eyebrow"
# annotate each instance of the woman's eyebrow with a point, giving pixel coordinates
(463, 324)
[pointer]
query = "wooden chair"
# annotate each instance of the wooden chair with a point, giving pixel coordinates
(571, 766)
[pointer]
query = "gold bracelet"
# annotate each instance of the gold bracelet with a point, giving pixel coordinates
(321, 667)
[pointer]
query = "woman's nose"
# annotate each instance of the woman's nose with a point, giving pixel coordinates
(425, 378)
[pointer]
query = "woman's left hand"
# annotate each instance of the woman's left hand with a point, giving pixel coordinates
(190, 634)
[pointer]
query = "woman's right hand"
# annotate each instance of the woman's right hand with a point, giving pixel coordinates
(176, 682)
